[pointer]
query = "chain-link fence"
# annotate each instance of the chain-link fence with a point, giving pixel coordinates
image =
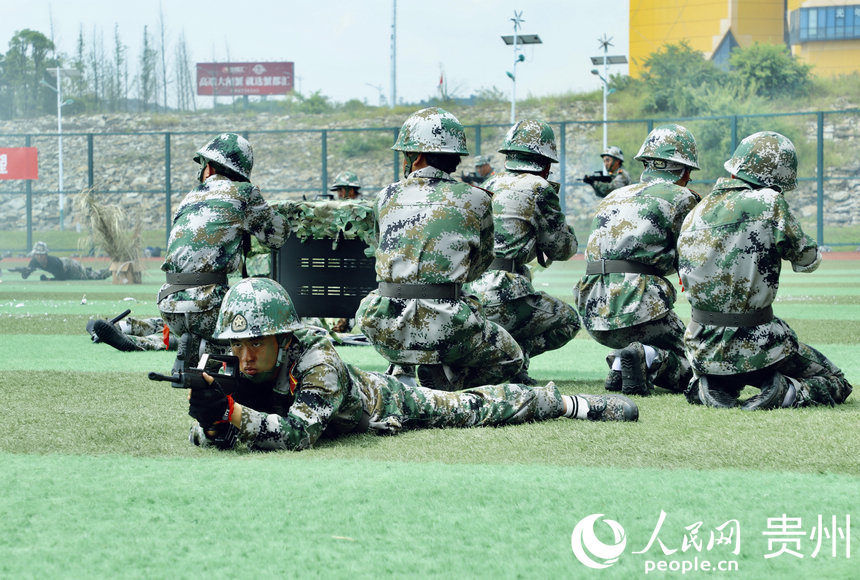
(148, 173)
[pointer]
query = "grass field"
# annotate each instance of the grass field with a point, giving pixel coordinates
(99, 480)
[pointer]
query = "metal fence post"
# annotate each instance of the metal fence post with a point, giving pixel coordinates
(477, 140)
(324, 176)
(562, 198)
(28, 188)
(167, 187)
(650, 125)
(396, 163)
(820, 180)
(90, 180)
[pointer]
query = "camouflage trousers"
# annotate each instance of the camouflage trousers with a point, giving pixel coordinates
(670, 369)
(145, 333)
(200, 326)
(538, 323)
(818, 380)
(73, 270)
(394, 406)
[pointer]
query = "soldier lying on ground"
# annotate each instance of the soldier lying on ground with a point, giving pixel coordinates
(297, 389)
(133, 334)
(59, 268)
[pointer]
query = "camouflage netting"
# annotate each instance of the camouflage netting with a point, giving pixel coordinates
(335, 220)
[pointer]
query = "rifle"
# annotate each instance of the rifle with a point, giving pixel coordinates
(596, 177)
(224, 369)
(471, 178)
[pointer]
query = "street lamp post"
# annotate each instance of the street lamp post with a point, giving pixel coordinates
(71, 73)
(605, 59)
(516, 39)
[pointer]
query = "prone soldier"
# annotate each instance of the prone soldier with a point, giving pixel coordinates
(59, 268)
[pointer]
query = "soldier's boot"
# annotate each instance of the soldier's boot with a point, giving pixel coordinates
(403, 373)
(634, 371)
(434, 377)
(103, 273)
(610, 408)
(523, 378)
(613, 381)
(713, 397)
(773, 392)
(108, 334)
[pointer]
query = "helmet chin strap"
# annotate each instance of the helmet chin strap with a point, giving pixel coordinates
(408, 161)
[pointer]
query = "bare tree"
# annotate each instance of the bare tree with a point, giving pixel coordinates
(184, 80)
(163, 50)
(147, 78)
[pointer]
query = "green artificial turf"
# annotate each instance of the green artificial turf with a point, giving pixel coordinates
(100, 481)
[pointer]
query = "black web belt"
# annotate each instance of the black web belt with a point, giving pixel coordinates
(620, 267)
(753, 318)
(450, 291)
(179, 281)
(507, 264)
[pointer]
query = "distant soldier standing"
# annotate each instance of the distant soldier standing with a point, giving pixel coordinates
(528, 224)
(211, 228)
(346, 185)
(730, 251)
(624, 299)
(483, 171)
(615, 177)
(434, 235)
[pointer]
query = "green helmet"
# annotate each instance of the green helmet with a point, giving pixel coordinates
(229, 150)
(345, 179)
(256, 307)
(672, 143)
(40, 248)
(431, 130)
(765, 158)
(613, 151)
(529, 145)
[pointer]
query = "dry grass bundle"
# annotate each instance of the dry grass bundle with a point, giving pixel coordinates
(109, 229)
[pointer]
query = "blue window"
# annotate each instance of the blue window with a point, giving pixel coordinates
(825, 23)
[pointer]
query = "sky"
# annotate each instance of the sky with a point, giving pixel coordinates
(342, 48)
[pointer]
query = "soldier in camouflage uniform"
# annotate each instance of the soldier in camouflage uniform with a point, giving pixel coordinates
(730, 253)
(528, 224)
(133, 334)
(624, 299)
(346, 185)
(296, 389)
(60, 268)
(211, 228)
(613, 159)
(434, 235)
(482, 173)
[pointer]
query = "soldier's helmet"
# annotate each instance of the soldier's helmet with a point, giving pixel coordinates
(256, 307)
(346, 179)
(765, 158)
(481, 160)
(230, 151)
(613, 151)
(529, 145)
(40, 248)
(672, 143)
(431, 130)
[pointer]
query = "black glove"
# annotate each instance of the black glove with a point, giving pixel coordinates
(209, 406)
(43, 277)
(25, 274)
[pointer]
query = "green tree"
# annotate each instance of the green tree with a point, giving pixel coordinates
(676, 79)
(769, 70)
(24, 67)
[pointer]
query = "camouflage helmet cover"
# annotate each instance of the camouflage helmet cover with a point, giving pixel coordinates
(229, 150)
(532, 138)
(431, 130)
(765, 158)
(346, 179)
(613, 151)
(256, 307)
(40, 248)
(673, 143)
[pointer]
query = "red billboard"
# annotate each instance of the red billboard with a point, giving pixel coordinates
(19, 163)
(244, 78)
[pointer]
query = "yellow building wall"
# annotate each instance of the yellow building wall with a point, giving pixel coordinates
(703, 23)
(830, 58)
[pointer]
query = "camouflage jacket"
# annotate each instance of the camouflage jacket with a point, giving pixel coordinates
(431, 229)
(207, 237)
(730, 252)
(53, 266)
(620, 179)
(639, 223)
(527, 220)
